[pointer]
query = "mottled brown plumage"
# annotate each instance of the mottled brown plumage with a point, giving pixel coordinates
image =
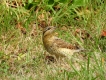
(57, 46)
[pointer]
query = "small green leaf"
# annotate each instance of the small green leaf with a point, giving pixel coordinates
(79, 2)
(56, 0)
(50, 2)
(63, 1)
(1, 54)
(30, 1)
(30, 5)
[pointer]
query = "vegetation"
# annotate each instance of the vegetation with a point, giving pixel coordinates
(22, 56)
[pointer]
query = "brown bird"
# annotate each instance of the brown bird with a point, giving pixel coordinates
(57, 46)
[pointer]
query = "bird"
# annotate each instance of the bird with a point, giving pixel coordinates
(57, 46)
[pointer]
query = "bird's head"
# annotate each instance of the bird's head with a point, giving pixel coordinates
(48, 30)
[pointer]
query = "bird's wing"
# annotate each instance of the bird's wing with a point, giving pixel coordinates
(62, 44)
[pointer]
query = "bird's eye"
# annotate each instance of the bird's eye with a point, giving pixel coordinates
(48, 28)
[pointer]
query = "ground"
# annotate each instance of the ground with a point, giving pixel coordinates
(22, 54)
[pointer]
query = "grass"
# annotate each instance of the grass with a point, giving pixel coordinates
(22, 55)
